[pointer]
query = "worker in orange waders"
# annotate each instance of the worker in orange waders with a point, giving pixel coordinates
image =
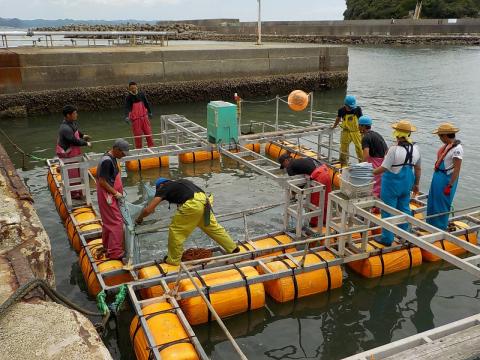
(321, 174)
(109, 193)
(137, 111)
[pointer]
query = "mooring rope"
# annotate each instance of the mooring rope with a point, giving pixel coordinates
(53, 294)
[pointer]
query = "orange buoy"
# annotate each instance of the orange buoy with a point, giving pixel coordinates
(83, 214)
(308, 283)
(150, 163)
(387, 263)
(103, 264)
(226, 302)
(451, 247)
(76, 242)
(153, 271)
(168, 334)
(266, 243)
(197, 156)
(60, 205)
(298, 100)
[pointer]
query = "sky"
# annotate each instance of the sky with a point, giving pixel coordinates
(245, 10)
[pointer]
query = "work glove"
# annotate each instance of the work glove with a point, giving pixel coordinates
(87, 137)
(89, 144)
(447, 190)
(127, 120)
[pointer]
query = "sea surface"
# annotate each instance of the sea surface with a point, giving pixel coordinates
(427, 85)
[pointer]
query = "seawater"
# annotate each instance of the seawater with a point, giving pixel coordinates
(426, 85)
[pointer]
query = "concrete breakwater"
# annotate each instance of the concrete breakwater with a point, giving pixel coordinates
(111, 97)
(43, 80)
(394, 40)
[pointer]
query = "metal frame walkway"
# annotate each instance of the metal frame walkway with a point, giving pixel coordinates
(345, 216)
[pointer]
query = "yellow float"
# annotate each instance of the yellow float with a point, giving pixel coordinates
(308, 283)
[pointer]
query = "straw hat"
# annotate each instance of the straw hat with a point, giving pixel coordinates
(404, 125)
(446, 128)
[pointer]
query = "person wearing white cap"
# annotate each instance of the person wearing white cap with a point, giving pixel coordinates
(401, 174)
(445, 176)
(109, 193)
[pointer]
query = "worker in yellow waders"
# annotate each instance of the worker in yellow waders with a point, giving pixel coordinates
(194, 209)
(347, 117)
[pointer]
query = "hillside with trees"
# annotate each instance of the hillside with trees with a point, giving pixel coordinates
(398, 9)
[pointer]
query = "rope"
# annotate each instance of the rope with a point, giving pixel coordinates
(25, 289)
(263, 101)
(19, 149)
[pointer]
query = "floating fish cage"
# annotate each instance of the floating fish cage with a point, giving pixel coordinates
(284, 266)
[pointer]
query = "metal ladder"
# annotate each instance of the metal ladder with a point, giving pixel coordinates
(256, 162)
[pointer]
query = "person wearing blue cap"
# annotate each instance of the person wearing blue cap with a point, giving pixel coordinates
(374, 148)
(347, 117)
(194, 210)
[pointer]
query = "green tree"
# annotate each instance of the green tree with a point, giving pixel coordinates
(433, 9)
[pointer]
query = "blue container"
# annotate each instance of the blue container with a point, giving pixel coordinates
(222, 124)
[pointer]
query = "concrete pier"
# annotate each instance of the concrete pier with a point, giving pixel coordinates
(34, 69)
(37, 329)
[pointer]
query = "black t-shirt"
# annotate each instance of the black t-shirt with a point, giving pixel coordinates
(375, 143)
(66, 135)
(301, 167)
(178, 191)
(108, 168)
(357, 111)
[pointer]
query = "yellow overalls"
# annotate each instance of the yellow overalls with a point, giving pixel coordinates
(187, 217)
(350, 133)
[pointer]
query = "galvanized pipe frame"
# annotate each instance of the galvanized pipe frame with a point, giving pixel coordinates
(261, 252)
(397, 347)
(140, 266)
(359, 208)
(250, 258)
(183, 320)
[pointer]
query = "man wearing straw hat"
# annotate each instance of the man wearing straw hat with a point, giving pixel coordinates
(445, 176)
(401, 174)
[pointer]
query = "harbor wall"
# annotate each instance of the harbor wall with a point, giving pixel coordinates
(386, 27)
(49, 69)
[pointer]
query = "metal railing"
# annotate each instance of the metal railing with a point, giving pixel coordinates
(90, 38)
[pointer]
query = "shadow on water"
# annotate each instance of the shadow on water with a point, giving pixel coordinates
(364, 313)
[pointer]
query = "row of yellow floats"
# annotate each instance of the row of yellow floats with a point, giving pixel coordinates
(169, 335)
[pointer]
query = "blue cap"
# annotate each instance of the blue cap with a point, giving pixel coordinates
(350, 101)
(160, 181)
(365, 120)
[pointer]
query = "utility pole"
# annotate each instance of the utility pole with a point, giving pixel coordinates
(259, 27)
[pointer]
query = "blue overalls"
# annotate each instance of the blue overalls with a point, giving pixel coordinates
(438, 202)
(396, 189)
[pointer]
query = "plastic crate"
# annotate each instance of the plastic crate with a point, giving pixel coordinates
(354, 191)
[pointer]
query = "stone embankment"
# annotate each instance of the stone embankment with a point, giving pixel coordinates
(111, 97)
(185, 31)
(37, 329)
(400, 40)
(178, 28)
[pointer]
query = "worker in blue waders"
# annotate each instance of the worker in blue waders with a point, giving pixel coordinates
(445, 176)
(193, 210)
(401, 174)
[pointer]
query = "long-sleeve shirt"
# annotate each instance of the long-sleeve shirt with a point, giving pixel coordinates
(132, 98)
(66, 135)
